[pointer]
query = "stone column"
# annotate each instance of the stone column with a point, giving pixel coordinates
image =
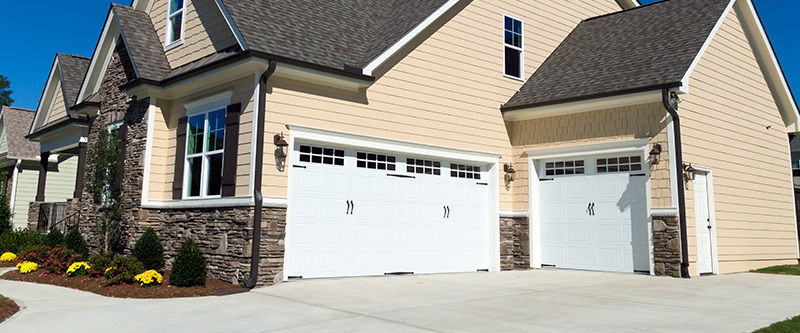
(666, 246)
(45, 156)
(81, 173)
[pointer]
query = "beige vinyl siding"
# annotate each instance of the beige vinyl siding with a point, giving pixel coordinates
(624, 123)
(445, 92)
(205, 30)
(27, 183)
(162, 163)
(59, 109)
(724, 128)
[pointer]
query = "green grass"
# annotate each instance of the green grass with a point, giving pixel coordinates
(786, 270)
(789, 325)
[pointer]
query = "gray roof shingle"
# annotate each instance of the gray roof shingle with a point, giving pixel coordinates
(336, 34)
(142, 42)
(17, 122)
(73, 70)
(651, 46)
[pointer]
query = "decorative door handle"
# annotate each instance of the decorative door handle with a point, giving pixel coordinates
(350, 206)
(593, 209)
(590, 209)
(448, 212)
(444, 215)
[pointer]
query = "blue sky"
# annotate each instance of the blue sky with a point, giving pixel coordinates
(74, 27)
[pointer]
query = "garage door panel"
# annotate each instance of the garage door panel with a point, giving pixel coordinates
(577, 233)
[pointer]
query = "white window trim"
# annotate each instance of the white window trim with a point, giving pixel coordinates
(203, 106)
(520, 49)
(169, 28)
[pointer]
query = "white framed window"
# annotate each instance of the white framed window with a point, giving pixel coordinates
(175, 16)
(205, 143)
(513, 55)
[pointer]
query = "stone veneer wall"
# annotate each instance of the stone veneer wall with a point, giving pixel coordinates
(223, 234)
(666, 246)
(514, 243)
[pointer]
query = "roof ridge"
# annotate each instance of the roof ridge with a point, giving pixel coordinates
(18, 108)
(73, 55)
(628, 10)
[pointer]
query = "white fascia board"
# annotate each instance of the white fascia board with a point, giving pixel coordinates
(47, 95)
(142, 5)
(600, 148)
(202, 81)
(388, 53)
(232, 25)
(769, 64)
(583, 106)
(664, 211)
(103, 49)
(628, 4)
(319, 77)
(383, 144)
(685, 80)
(514, 213)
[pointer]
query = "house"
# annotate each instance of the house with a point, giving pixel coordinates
(19, 158)
(305, 139)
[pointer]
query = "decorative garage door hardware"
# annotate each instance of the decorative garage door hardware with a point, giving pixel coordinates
(299, 166)
(590, 209)
(638, 175)
(546, 179)
(485, 184)
(399, 176)
(447, 212)
(399, 273)
(350, 206)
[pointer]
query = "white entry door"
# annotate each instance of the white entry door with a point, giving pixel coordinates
(702, 224)
(593, 213)
(357, 212)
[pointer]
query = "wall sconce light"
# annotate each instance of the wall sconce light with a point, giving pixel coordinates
(280, 144)
(689, 172)
(655, 154)
(510, 175)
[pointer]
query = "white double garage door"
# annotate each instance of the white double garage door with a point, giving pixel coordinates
(593, 212)
(354, 211)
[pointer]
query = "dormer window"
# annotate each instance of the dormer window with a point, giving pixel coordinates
(512, 47)
(175, 22)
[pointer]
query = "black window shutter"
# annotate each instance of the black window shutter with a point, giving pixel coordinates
(122, 138)
(231, 152)
(180, 154)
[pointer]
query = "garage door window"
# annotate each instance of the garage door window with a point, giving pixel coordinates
(560, 168)
(619, 164)
(420, 166)
(320, 155)
(375, 161)
(465, 171)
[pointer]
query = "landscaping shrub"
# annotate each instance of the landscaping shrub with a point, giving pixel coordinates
(149, 278)
(5, 213)
(26, 267)
(99, 263)
(8, 257)
(189, 268)
(18, 241)
(59, 258)
(75, 242)
(123, 270)
(78, 268)
(36, 253)
(54, 238)
(149, 250)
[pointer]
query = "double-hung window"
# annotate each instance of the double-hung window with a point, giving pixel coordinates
(175, 15)
(512, 47)
(205, 142)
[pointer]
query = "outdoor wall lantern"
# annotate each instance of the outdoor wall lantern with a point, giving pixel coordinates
(280, 145)
(689, 171)
(655, 154)
(510, 175)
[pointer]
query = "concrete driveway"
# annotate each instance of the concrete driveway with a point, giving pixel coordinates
(540, 300)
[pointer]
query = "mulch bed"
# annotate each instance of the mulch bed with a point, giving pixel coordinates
(7, 308)
(8, 264)
(213, 287)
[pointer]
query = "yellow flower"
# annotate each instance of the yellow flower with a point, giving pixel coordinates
(76, 266)
(27, 267)
(108, 269)
(148, 278)
(8, 256)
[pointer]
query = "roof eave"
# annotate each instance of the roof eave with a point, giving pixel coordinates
(505, 108)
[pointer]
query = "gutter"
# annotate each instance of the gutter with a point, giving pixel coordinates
(672, 109)
(259, 199)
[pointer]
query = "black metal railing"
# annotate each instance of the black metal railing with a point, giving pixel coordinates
(54, 215)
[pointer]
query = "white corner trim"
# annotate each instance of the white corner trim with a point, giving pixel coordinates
(769, 64)
(685, 80)
(514, 213)
(223, 97)
(601, 148)
(664, 211)
(148, 152)
(421, 149)
(15, 180)
(268, 202)
(673, 160)
(383, 57)
(583, 106)
(255, 128)
(232, 25)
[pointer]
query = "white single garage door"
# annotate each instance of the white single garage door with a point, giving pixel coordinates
(594, 213)
(357, 212)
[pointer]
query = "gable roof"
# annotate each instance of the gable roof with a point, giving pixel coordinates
(17, 121)
(644, 48)
(142, 42)
(342, 34)
(73, 69)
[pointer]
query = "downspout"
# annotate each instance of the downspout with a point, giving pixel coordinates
(259, 199)
(672, 109)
